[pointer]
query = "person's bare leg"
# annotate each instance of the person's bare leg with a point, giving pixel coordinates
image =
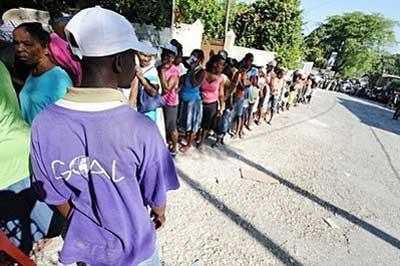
(222, 139)
(238, 123)
(249, 121)
(189, 139)
(241, 127)
(257, 116)
(203, 136)
(271, 116)
(174, 141)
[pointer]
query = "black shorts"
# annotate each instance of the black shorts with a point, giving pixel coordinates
(209, 115)
(170, 118)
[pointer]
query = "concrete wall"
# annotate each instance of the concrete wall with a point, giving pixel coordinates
(189, 35)
(261, 57)
(156, 36)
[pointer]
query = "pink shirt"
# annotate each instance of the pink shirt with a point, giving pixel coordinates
(210, 90)
(63, 57)
(171, 97)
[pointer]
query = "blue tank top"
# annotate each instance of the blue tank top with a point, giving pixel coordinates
(190, 92)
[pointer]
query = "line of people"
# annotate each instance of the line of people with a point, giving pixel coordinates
(224, 97)
(90, 152)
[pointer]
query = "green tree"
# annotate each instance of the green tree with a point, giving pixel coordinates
(210, 12)
(274, 26)
(156, 12)
(358, 38)
(389, 63)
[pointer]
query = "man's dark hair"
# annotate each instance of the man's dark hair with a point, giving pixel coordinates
(35, 29)
(242, 63)
(279, 70)
(178, 46)
(248, 56)
(198, 53)
(296, 75)
(210, 64)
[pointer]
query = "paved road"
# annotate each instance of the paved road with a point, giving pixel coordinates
(319, 187)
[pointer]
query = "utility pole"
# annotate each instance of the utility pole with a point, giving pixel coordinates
(173, 14)
(227, 11)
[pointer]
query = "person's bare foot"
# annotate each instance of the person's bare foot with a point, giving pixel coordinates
(183, 142)
(185, 149)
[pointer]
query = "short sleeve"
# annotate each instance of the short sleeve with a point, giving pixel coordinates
(152, 77)
(63, 83)
(49, 189)
(157, 172)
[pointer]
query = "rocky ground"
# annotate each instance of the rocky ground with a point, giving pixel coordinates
(321, 186)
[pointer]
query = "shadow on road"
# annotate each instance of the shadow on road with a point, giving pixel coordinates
(372, 114)
(261, 238)
(355, 107)
(375, 117)
(323, 203)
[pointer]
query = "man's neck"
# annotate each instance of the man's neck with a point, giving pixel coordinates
(98, 78)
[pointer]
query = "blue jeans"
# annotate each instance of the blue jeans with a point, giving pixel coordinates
(24, 219)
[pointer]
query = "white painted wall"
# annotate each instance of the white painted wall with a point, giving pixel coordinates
(189, 35)
(157, 36)
(261, 57)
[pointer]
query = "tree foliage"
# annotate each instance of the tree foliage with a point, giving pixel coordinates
(265, 24)
(210, 12)
(156, 12)
(274, 26)
(358, 38)
(389, 63)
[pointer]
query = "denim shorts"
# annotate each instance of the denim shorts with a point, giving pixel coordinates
(272, 103)
(239, 105)
(248, 111)
(191, 115)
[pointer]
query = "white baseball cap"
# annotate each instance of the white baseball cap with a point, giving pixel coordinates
(101, 32)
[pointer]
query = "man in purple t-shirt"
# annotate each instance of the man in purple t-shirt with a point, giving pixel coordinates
(103, 165)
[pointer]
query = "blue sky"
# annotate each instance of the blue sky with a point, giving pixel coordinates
(316, 11)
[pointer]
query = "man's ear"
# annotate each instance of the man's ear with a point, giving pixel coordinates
(117, 63)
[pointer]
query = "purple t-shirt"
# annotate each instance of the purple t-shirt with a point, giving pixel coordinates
(110, 165)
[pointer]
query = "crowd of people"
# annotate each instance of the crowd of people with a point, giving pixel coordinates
(225, 97)
(104, 117)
